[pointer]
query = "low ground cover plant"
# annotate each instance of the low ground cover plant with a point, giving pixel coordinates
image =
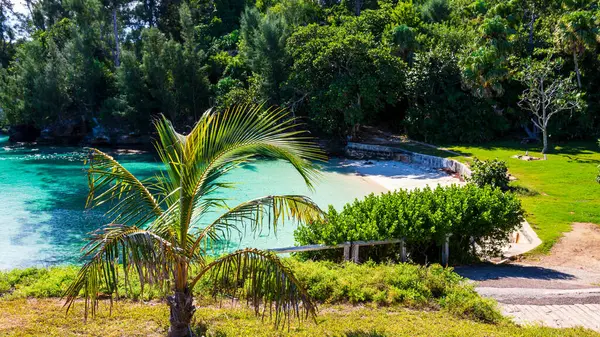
(421, 287)
(423, 217)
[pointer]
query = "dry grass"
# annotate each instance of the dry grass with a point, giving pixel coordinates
(46, 317)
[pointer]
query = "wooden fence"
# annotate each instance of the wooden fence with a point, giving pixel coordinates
(351, 249)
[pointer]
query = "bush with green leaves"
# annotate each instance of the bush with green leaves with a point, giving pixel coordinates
(423, 217)
(489, 173)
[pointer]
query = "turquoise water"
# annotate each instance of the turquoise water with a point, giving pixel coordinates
(42, 196)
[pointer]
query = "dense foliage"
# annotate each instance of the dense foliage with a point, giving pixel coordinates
(489, 172)
(327, 282)
(441, 70)
(423, 218)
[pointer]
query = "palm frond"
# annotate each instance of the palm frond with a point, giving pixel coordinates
(220, 142)
(109, 182)
(252, 216)
(266, 282)
(148, 254)
(246, 131)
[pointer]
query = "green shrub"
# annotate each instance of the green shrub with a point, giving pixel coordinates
(423, 218)
(36, 282)
(464, 302)
(489, 172)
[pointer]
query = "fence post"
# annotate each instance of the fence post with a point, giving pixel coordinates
(446, 250)
(403, 251)
(355, 253)
(347, 252)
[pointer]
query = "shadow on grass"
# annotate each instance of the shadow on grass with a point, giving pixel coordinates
(582, 161)
(488, 272)
(579, 152)
(202, 329)
(364, 334)
(523, 191)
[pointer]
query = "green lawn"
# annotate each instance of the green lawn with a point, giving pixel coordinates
(46, 317)
(565, 185)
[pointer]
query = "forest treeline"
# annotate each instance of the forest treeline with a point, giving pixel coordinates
(438, 70)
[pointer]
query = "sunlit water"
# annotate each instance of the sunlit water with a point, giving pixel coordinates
(43, 189)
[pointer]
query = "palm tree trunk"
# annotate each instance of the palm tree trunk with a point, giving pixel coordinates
(577, 69)
(182, 310)
(117, 52)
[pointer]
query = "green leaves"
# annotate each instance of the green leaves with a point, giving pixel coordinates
(109, 182)
(423, 218)
(254, 214)
(489, 172)
(344, 75)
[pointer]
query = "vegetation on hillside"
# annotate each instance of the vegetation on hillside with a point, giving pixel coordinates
(441, 70)
(412, 286)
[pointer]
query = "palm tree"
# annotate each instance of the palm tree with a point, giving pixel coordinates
(575, 33)
(161, 226)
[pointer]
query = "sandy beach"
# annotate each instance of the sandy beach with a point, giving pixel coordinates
(393, 175)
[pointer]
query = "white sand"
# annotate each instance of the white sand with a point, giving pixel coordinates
(394, 175)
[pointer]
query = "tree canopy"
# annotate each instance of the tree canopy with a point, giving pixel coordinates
(439, 70)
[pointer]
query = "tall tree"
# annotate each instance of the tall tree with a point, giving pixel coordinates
(547, 94)
(486, 68)
(162, 227)
(7, 34)
(576, 33)
(264, 39)
(346, 77)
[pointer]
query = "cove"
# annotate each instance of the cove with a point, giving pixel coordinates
(43, 189)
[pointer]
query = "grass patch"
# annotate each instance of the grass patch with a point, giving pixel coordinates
(555, 192)
(408, 285)
(46, 317)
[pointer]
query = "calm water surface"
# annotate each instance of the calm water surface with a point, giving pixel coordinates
(42, 196)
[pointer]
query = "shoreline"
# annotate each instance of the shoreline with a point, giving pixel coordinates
(393, 175)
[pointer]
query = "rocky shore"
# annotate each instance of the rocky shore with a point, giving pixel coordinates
(78, 132)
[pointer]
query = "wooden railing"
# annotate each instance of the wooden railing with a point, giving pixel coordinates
(351, 249)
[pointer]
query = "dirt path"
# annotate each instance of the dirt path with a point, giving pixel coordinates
(560, 289)
(577, 249)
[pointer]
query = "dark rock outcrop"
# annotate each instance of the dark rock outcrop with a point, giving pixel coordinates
(67, 132)
(23, 133)
(133, 139)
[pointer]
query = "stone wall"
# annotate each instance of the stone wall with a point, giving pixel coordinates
(370, 151)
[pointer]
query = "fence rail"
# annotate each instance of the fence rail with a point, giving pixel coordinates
(351, 249)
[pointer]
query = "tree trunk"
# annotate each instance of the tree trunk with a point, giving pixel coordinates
(182, 310)
(577, 69)
(357, 7)
(116, 32)
(545, 140)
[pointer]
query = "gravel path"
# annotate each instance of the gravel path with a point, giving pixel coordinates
(555, 297)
